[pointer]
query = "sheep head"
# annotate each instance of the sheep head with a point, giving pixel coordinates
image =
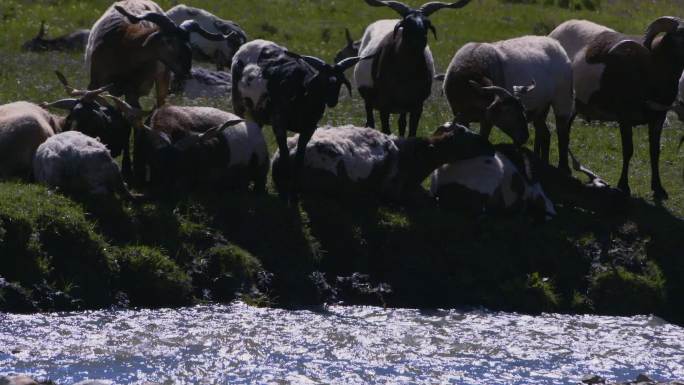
(171, 42)
(452, 142)
(351, 49)
(414, 25)
(332, 76)
(505, 110)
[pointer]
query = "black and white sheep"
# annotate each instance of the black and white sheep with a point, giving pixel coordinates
(23, 127)
(398, 77)
(77, 163)
(290, 92)
(229, 154)
(510, 83)
(74, 41)
(135, 45)
(343, 160)
(504, 181)
(219, 52)
(630, 80)
(351, 49)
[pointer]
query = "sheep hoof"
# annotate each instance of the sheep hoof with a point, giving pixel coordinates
(659, 194)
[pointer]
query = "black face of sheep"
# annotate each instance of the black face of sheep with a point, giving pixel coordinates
(505, 110)
(455, 142)
(171, 41)
(332, 76)
(350, 50)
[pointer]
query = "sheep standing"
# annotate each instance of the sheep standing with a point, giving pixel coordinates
(290, 92)
(625, 79)
(23, 127)
(220, 52)
(398, 77)
(511, 82)
(347, 160)
(77, 163)
(135, 45)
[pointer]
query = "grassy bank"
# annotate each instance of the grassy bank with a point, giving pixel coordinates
(194, 248)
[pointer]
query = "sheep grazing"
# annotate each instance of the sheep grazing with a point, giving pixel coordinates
(75, 41)
(77, 163)
(398, 78)
(203, 83)
(229, 152)
(630, 80)
(90, 113)
(23, 127)
(288, 91)
(219, 52)
(510, 82)
(135, 45)
(350, 50)
(348, 159)
(504, 181)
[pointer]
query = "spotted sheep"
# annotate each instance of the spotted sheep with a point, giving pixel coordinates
(74, 41)
(135, 45)
(343, 160)
(510, 83)
(272, 85)
(398, 77)
(501, 182)
(76, 163)
(630, 80)
(219, 52)
(186, 147)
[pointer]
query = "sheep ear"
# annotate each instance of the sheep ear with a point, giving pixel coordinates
(150, 39)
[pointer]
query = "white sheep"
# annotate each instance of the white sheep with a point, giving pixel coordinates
(512, 82)
(77, 163)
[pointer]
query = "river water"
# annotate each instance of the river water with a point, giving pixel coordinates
(239, 344)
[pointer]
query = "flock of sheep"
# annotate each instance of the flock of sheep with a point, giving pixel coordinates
(580, 68)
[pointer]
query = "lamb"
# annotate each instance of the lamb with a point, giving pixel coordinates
(350, 50)
(398, 77)
(203, 84)
(221, 53)
(74, 41)
(23, 127)
(230, 154)
(77, 163)
(511, 82)
(504, 181)
(288, 91)
(630, 80)
(351, 160)
(134, 52)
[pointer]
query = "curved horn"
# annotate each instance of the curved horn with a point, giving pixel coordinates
(429, 8)
(519, 91)
(89, 96)
(230, 123)
(193, 26)
(490, 90)
(628, 47)
(347, 63)
(400, 8)
(62, 104)
(315, 62)
(71, 91)
(347, 34)
(132, 114)
(663, 24)
(433, 29)
(347, 84)
(163, 21)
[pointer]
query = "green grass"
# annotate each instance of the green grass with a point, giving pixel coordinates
(209, 247)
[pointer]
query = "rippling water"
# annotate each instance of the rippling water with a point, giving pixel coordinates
(344, 345)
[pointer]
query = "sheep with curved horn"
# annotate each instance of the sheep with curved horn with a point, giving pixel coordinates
(626, 79)
(399, 77)
(135, 45)
(272, 85)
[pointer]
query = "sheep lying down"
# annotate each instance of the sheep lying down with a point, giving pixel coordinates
(77, 163)
(348, 159)
(504, 181)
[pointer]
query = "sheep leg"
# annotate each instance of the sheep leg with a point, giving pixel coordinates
(281, 138)
(485, 129)
(402, 124)
(162, 87)
(542, 138)
(413, 121)
(627, 152)
(304, 138)
(385, 122)
(655, 129)
(370, 118)
(563, 128)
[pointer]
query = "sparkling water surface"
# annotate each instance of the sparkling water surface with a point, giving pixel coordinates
(240, 344)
